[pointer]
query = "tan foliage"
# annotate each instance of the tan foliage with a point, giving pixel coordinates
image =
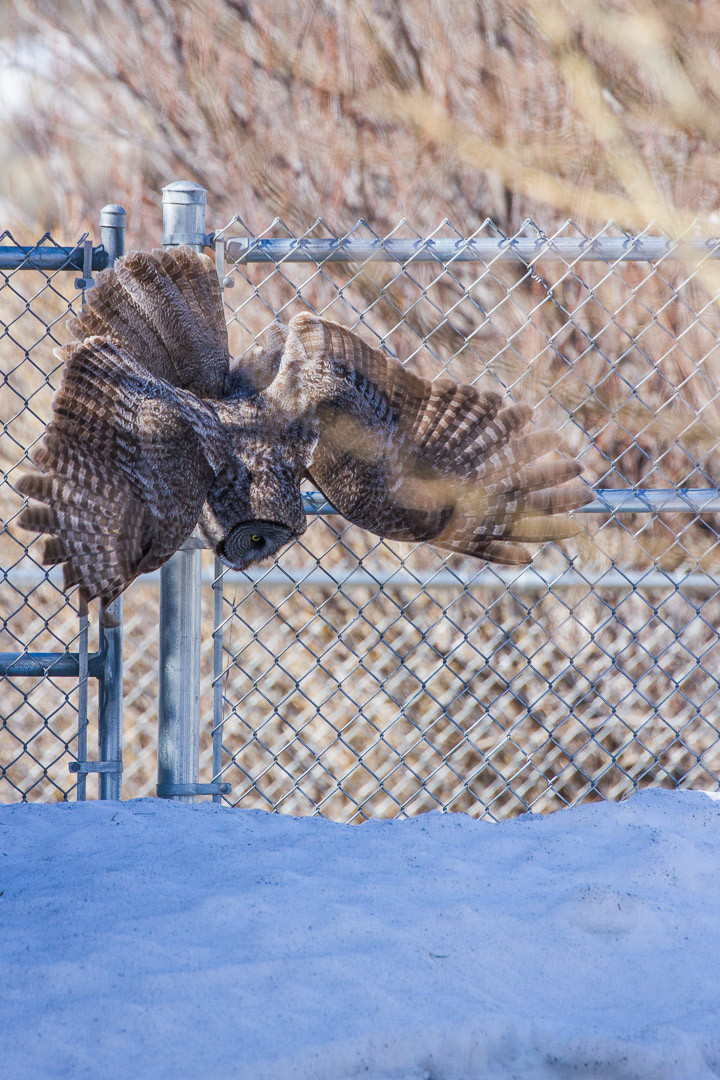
(526, 108)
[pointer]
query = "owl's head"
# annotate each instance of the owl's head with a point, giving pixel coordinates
(253, 510)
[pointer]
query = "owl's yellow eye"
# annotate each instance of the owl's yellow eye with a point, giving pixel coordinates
(256, 539)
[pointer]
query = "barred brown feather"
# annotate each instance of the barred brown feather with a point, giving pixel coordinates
(152, 430)
(165, 308)
(411, 459)
(123, 471)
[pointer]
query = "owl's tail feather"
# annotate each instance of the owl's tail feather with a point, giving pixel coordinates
(165, 308)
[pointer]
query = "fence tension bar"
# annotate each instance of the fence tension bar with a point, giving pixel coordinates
(226, 282)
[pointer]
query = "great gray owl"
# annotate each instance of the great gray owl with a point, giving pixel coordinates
(154, 431)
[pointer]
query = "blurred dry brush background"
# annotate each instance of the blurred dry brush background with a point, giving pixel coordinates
(443, 118)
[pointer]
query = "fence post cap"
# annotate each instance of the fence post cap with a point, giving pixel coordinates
(113, 215)
(184, 191)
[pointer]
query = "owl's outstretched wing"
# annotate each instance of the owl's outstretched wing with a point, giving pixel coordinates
(124, 470)
(415, 460)
(164, 308)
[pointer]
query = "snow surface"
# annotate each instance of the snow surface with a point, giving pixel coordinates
(148, 940)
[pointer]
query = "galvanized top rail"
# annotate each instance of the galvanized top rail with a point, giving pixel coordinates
(484, 250)
(50, 258)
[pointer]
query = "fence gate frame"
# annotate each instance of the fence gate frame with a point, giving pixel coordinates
(105, 665)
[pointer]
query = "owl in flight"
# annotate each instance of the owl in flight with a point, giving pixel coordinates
(155, 430)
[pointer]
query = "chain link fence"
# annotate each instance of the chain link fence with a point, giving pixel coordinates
(367, 678)
(55, 669)
(361, 678)
(41, 717)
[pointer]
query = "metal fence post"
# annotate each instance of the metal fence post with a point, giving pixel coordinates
(112, 235)
(109, 765)
(180, 582)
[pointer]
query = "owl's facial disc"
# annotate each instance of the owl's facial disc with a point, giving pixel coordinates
(251, 541)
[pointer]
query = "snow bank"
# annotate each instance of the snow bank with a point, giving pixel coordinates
(147, 940)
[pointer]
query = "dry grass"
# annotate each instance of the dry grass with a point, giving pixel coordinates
(346, 110)
(365, 701)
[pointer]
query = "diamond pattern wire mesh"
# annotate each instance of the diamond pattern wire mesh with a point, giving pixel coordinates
(362, 678)
(38, 716)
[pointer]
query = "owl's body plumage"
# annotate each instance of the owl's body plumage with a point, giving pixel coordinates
(153, 432)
